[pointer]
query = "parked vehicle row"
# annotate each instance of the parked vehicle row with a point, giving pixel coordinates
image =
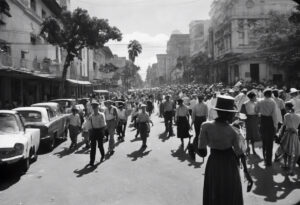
(25, 129)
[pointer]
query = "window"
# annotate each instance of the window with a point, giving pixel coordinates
(33, 39)
(33, 5)
(23, 54)
(44, 14)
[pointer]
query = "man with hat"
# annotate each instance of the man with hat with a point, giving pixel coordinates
(280, 107)
(74, 125)
(241, 98)
(168, 112)
(97, 126)
(295, 100)
(123, 116)
(267, 110)
(111, 116)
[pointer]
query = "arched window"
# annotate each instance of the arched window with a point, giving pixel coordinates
(33, 5)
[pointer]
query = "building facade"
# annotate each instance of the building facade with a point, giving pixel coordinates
(198, 36)
(232, 37)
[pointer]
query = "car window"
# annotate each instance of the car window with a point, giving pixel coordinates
(9, 124)
(31, 116)
(51, 114)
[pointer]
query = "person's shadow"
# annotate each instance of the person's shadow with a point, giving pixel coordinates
(87, 169)
(164, 136)
(182, 156)
(264, 181)
(136, 139)
(138, 154)
(66, 151)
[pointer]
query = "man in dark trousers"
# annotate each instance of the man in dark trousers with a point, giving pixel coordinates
(97, 127)
(168, 111)
(268, 126)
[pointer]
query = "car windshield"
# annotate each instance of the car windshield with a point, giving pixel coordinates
(31, 116)
(8, 124)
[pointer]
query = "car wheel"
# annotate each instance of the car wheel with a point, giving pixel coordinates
(25, 164)
(51, 144)
(34, 155)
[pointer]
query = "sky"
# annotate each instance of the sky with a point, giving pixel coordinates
(151, 22)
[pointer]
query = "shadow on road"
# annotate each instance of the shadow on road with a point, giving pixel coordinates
(9, 175)
(87, 169)
(164, 137)
(182, 156)
(66, 151)
(138, 154)
(136, 139)
(265, 184)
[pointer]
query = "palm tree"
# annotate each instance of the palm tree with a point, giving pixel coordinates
(134, 49)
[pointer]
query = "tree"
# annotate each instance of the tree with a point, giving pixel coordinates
(76, 30)
(295, 17)
(276, 31)
(200, 64)
(4, 9)
(134, 49)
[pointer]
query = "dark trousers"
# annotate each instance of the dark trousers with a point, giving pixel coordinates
(168, 122)
(267, 134)
(121, 129)
(96, 135)
(197, 124)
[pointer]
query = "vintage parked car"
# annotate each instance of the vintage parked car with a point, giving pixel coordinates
(39, 117)
(17, 143)
(57, 120)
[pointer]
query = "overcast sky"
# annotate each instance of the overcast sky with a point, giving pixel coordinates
(149, 21)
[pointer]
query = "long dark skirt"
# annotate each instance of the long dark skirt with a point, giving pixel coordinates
(144, 129)
(183, 127)
(252, 129)
(222, 182)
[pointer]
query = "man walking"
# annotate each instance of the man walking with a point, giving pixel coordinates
(267, 109)
(111, 116)
(168, 110)
(98, 124)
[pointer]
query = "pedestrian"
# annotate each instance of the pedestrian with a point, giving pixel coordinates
(144, 121)
(295, 99)
(199, 116)
(252, 121)
(193, 102)
(85, 131)
(168, 110)
(182, 122)
(121, 129)
(222, 183)
(111, 116)
(290, 143)
(268, 126)
(97, 127)
(74, 125)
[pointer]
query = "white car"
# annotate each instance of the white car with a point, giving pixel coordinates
(17, 143)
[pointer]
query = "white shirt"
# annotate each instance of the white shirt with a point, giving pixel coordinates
(74, 120)
(97, 120)
(193, 102)
(122, 114)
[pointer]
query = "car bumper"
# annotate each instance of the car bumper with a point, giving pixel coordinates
(11, 160)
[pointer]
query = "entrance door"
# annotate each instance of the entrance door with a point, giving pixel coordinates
(254, 72)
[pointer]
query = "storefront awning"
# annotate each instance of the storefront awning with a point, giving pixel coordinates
(79, 82)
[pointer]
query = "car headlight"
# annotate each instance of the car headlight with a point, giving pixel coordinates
(19, 148)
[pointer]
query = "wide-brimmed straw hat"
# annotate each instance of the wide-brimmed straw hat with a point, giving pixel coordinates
(293, 90)
(225, 103)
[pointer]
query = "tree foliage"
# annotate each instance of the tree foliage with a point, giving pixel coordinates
(4, 9)
(76, 30)
(295, 17)
(276, 31)
(134, 49)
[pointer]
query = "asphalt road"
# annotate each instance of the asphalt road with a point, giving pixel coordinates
(160, 175)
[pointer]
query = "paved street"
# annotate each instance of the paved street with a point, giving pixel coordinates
(162, 174)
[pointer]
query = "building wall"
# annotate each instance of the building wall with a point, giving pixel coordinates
(18, 31)
(162, 65)
(198, 36)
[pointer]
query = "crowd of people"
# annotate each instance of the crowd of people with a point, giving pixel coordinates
(228, 120)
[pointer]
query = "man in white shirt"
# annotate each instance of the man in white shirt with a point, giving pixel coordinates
(123, 116)
(241, 98)
(295, 100)
(97, 124)
(193, 102)
(74, 124)
(111, 116)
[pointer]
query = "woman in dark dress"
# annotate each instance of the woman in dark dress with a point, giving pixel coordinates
(181, 119)
(222, 183)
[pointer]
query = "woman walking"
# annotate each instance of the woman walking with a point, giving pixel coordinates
(144, 127)
(222, 183)
(290, 143)
(182, 121)
(252, 134)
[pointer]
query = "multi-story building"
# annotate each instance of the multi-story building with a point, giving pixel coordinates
(198, 36)
(177, 46)
(232, 38)
(162, 67)
(152, 78)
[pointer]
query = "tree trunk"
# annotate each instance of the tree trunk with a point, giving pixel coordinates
(62, 91)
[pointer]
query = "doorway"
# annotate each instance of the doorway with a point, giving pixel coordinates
(254, 72)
